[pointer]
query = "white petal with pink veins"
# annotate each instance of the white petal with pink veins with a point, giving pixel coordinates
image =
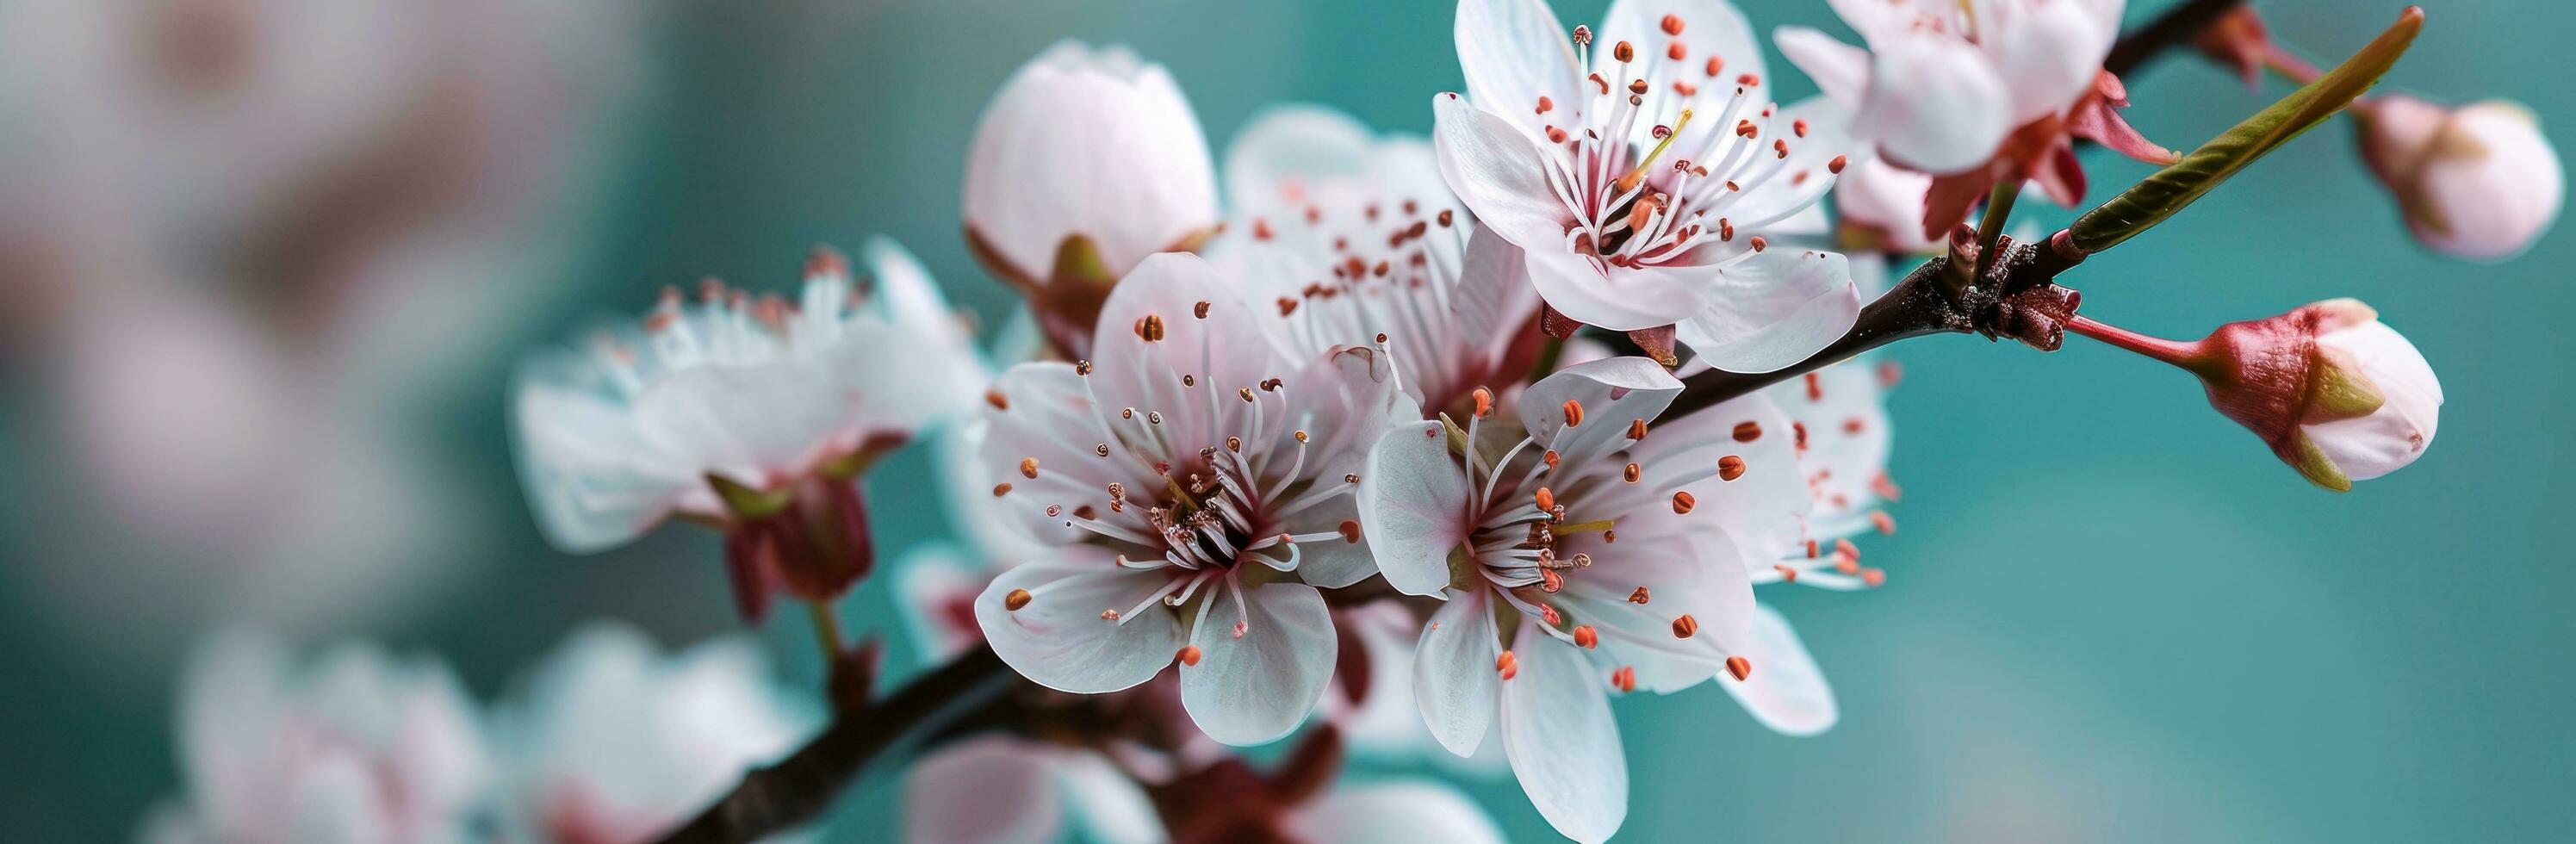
(1616, 298)
(1089, 142)
(1497, 171)
(1286, 150)
(1786, 691)
(1514, 52)
(1773, 309)
(1454, 673)
(1413, 505)
(1048, 418)
(1763, 508)
(593, 479)
(1935, 104)
(2048, 54)
(1878, 20)
(1610, 393)
(1840, 70)
(1563, 742)
(1687, 570)
(1059, 640)
(1257, 688)
(1231, 347)
(907, 363)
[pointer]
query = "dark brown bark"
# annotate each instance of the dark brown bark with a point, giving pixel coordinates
(798, 788)
(2176, 27)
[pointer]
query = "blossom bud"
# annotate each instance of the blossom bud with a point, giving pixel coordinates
(2476, 181)
(2338, 395)
(809, 540)
(1085, 162)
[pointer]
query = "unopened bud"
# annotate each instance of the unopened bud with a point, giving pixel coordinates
(2335, 393)
(2477, 181)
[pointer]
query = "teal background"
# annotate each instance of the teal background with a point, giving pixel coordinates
(2110, 615)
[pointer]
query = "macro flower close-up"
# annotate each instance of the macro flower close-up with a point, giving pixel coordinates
(1282, 421)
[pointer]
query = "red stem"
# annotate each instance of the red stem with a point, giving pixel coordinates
(2174, 352)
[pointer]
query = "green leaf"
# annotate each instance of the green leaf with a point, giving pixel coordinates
(2149, 202)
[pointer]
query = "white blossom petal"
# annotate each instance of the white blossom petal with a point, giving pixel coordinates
(1497, 171)
(1773, 309)
(1840, 70)
(1563, 742)
(1610, 393)
(1514, 52)
(1454, 674)
(1617, 298)
(2409, 411)
(2048, 54)
(1257, 688)
(1286, 150)
(1935, 103)
(1786, 691)
(1413, 504)
(1058, 640)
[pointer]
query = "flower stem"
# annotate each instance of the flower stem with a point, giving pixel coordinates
(2170, 351)
(1999, 205)
(827, 627)
(1915, 307)
(2290, 66)
(2176, 27)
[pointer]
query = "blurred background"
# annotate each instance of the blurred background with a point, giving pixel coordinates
(267, 265)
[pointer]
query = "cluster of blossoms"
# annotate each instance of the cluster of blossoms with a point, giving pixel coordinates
(1410, 444)
(607, 740)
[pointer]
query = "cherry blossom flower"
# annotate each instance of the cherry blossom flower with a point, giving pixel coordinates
(751, 414)
(1192, 486)
(615, 741)
(359, 746)
(2477, 181)
(1086, 161)
(1350, 235)
(1976, 93)
(2337, 394)
(1615, 560)
(1645, 173)
(1840, 429)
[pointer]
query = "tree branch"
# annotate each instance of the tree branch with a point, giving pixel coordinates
(798, 788)
(2177, 26)
(2015, 298)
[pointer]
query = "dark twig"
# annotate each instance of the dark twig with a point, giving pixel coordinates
(2015, 298)
(2176, 27)
(799, 787)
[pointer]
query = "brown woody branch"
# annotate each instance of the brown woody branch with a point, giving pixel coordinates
(2176, 27)
(798, 788)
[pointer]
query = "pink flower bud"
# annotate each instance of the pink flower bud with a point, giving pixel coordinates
(2337, 395)
(1095, 143)
(2476, 181)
